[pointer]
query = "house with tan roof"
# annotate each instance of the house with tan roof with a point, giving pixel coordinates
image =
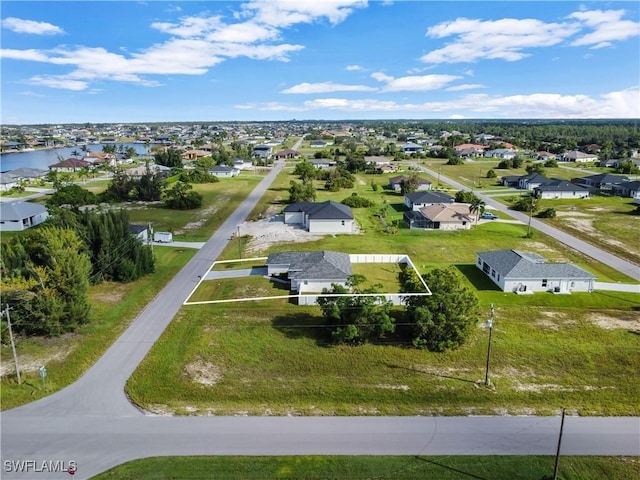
(440, 216)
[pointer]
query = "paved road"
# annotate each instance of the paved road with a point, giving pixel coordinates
(596, 253)
(92, 422)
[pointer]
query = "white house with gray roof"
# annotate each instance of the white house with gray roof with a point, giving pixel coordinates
(320, 217)
(525, 272)
(18, 216)
(311, 272)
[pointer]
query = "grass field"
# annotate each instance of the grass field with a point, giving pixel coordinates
(67, 357)
(272, 358)
(376, 467)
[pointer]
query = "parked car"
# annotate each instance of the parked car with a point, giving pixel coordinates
(488, 216)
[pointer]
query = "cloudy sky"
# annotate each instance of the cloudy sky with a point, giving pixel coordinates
(147, 61)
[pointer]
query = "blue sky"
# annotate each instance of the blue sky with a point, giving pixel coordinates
(153, 61)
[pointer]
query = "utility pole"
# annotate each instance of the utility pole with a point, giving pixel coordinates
(13, 345)
(490, 325)
(530, 215)
(555, 467)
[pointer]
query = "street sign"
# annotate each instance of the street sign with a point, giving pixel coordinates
(43, 371)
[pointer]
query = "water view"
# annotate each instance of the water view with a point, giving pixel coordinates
(43, 158)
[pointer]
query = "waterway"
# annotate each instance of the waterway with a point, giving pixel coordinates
(43, 158)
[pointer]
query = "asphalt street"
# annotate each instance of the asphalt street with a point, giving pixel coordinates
(92, 422)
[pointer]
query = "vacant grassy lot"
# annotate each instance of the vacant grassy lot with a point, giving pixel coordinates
(272, 358)
(378, 467)
(67, 357)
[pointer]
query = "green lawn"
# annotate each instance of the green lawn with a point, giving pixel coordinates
(378, 467)
(272, 357)
(67, 357)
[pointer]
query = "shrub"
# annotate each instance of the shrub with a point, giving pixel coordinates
(356, 201)
(547, 213)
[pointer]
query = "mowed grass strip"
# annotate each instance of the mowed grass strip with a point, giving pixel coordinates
(378, 467)
(274, 359)
(114, 306)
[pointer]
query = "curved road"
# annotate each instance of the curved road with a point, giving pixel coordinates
(623, 266)
(92, 423)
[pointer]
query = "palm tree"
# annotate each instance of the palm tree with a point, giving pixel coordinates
(477, 206)
(75, 153)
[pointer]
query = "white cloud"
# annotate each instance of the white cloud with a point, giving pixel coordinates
(57, 82)
(464, 86)
(326, 87)
(353, 68)
(607, 26)
(197, 44)
(415, 83)
(32, 27)
(620, 104)
(504, 39)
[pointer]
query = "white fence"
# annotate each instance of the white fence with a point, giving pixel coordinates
(378, 258)
(616, 287)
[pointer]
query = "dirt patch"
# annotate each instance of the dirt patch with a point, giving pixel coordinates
(608, 322)
(111, 295)
(29, 363)
(538, 247)
(273, 230)
(202, 217)
(204, 373)
(393, 387)
(572, 214)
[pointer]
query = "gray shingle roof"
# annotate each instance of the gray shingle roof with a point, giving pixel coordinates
(12, 211)
(429, 197)
(328, 210)
(322, 265)
(513, 264)
(560, 186)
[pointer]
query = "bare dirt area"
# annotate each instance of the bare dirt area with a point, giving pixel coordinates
(59, 349)
(204, 373)
(628, 321)
(268, 232)
(204, 215)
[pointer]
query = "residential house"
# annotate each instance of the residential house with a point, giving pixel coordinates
(544, 156)
(286, 153)
(558, 188)
(262, 151)
(242, 164)
(410, 148)
(311, 272)
(8, 181)
(440, 216)
(503, 153)
(70, 165)
(28, 173)
(627, 189)
(195, 154)
(525, 272)
(141, 232)
(224, 171)
(377, 161)
(318, 144)
(466, 150)
(579, 157)
(601, 182)
(531, 181)
(322, 163)
(510, 180)
(320, 217)
(418, 200)
(18, 216)
(395, 183)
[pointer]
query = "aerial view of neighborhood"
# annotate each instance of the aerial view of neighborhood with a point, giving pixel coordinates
(330, 239)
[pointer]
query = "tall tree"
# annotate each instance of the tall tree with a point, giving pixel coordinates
(445, 319)
(477, 207)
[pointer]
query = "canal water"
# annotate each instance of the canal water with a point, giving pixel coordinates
(43, 158)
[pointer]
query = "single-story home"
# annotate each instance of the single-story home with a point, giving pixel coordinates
(311, 272)
(195, 154)
(627, 189)
(531, 181)
(526, 272)
(318, 144)
(601, 181)
(320, 217)
(579, 157)
(322, 163)
(286, 153)
(224, 171)
(503, 153)
(8, 181)
(70, 165)
(395, 183)
(544, 155)
(18, 216)
(557, 188)
(440, 216)
(262, 151)
(410, 148)
(141, 232)
(242, 164)
(28, 173)
(417, 200)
